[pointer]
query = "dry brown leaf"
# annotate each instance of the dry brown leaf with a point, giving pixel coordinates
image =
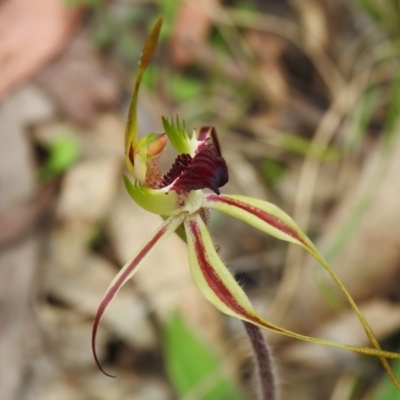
(78, 278)
(81, 285)
(315, 22)
(127, 386)
(88, 190)
(65, 336)
(18, 261)
(246, 177)
(20, 219)
(383, 316)
(268, 49)
(31, 34)
(80, 83)
(369, 260)
(106, 138)
(191, 29)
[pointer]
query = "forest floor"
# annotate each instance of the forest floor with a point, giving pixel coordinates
(304, 95)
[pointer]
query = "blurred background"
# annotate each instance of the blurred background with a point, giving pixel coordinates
(305, 95)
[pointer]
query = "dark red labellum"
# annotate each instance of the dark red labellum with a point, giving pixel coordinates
(205, 170)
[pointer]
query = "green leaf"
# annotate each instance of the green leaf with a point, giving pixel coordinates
(272, 171)
(299, 145)
(192, 366)
(184, 89)
(386, 390)
(87, 3)
(372, 8)
(152, 77)
(168, 9)
(392, 120)
(63, 153)
(361, 118)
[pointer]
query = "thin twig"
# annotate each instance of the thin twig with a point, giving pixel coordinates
(268, 388)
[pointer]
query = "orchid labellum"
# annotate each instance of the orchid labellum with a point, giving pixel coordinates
(179, 197)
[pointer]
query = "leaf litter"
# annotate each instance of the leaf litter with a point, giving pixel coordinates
(71, 242)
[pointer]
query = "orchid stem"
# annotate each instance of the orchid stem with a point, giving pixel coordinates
(264, 363)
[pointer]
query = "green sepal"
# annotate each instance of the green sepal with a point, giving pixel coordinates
(148, 50)
(156, 201)
(178, 135)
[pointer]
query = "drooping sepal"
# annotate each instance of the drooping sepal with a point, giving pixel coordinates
(272, 220)
(217, 284)
(128, 270)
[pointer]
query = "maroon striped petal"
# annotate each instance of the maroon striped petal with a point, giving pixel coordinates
(262, 215)
(128, 270)
(217, 284)
(272, 220)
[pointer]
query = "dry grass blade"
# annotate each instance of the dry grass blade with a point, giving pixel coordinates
(290, 31)
(306, 187)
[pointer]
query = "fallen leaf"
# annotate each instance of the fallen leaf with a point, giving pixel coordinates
(383, 316)
(367, 256)
(80, 83)
(20, 219)
(18, 260)
(88, 190)
(268, 49)
(190, 31)
(31, 34)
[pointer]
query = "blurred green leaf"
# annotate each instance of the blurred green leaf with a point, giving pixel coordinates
(272, 171)
(106, 30)
(116, 29)
(246, 5)
(385, 14)
(301, 146)
(386, 389)
(371, 8)
(63, 152)
(168, 10)
(127, 46)
(192, 366)
(369, 102)
(183, 88)
(152, 76)
(87, 3)
(362, 117)
(393, 115)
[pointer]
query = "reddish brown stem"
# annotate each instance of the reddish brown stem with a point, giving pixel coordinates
(264, 363)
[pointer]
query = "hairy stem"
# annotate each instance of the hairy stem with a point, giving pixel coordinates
(264, 363)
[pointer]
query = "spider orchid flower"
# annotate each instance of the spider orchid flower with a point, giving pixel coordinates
(179, 197)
